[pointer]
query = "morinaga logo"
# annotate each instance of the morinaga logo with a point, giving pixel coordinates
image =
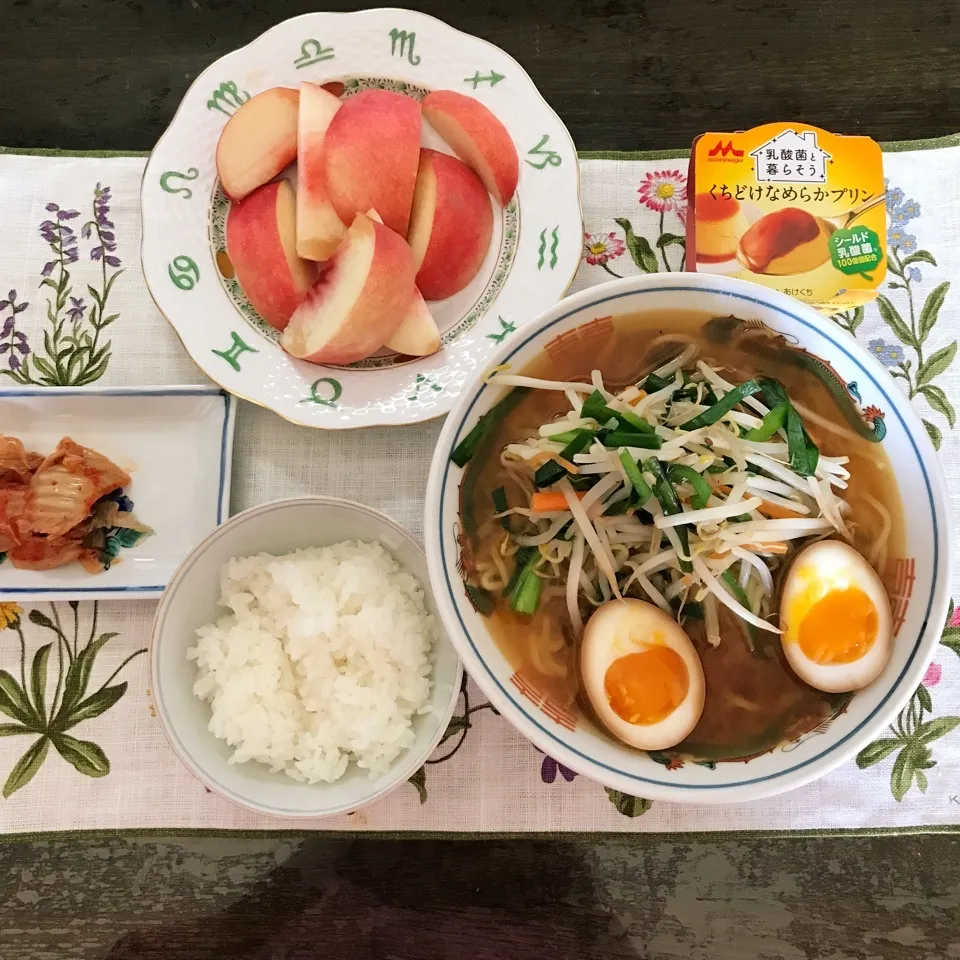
(724, 148)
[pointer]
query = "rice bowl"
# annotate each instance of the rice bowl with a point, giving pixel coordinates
(191, 602)
(323, 659)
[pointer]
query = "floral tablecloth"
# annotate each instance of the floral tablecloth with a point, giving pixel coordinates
(74, 310)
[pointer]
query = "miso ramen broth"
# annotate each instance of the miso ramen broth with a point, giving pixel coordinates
(754, 702)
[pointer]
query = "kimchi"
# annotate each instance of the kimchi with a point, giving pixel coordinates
(65, 507)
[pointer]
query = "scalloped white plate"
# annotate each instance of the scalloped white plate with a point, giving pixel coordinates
(533, 256)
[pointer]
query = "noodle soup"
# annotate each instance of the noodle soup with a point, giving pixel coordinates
(757, 441)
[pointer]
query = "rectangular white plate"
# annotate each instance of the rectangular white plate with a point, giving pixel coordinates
(177, 445)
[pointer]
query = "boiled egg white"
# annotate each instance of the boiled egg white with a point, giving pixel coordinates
(835, 615)
(641, 674)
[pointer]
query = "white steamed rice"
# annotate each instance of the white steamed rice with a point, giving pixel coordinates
(324, 660)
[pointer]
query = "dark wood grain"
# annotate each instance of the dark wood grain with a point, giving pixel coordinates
(643, 898)
(623, 75)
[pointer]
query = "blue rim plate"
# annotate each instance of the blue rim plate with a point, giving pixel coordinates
(595, 755)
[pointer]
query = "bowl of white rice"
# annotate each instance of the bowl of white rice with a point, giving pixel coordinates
(299, 668)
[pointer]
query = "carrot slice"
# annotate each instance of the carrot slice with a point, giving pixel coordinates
(549, 501)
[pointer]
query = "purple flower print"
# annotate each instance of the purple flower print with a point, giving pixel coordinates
(932, 677)
(76, 312)
(549, 769)
(106, 248)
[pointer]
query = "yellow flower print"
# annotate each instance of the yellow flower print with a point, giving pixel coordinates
(10, 614)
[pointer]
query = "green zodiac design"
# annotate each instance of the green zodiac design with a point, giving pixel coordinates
(312, 51)
(405, 41)
(550, 157)
(184, 273)
(330, 401)
(227, 98)
(506, 329)
(232, 355)
(553, 247)
(493, 79)
(165, 178)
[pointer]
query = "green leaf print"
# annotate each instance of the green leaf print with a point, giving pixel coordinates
(934, 729)
(895, 322)
(939, 402)
(419, 780)
(931, 309)
(14, 701)
(87, 757)
(911, 734)
(876, 751)
(628, 805)
(937, 364)
(52, 695)
(671, 239)
(25, 769)
(921, 256)
(933, 431)
(639, 247)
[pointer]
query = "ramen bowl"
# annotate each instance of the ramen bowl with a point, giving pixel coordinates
(916, 574)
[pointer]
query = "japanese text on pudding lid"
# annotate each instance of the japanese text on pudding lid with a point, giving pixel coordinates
(792, 207)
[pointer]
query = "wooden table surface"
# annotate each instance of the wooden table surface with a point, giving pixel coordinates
(103, 74)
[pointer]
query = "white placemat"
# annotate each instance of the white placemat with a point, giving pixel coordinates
(118, 772)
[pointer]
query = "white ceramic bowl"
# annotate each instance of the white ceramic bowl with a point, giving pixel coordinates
(920, 595)
(534, 251)
(191, 601)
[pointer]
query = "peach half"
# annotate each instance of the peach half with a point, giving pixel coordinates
(371, 152)
(319, 229)
(417, 335)
(362, 296)
(450, 226)
(478, 138)
(258, 141)
(261, 244)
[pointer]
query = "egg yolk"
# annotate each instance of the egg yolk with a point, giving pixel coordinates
(839, 628)
(647, 686)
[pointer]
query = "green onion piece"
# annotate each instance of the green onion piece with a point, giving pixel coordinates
(804, 453)
(772, 422)
(595, 407)
(629, 419)
(632, 470)
(692, 610)
(564, 437)
(627, 438)
(552, 471)
(679, 473)
(619, 508)
(468, 446)
(773, 392)
(653, 383)
(670, 502)
(722, 407)
(500, 506)
(737, 591)
(524, 587)
(521, 558)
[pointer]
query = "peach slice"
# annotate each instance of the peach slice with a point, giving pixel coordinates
(261, 244)
(319, 229)
(478, 138)
(258, 141)
(362, 296)
(417, 335)
(450, 226)
(371, 153)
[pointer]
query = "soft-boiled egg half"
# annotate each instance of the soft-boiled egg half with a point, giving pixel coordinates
(836, 621)
(641, 674)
